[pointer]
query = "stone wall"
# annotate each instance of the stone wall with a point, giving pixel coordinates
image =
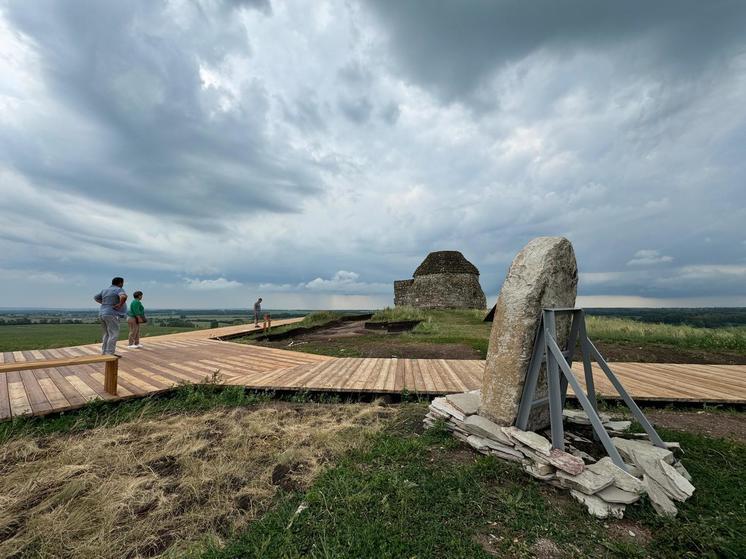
(403, 293)
(440, 291)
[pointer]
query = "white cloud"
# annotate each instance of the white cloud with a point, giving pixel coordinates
(210, 284)
(648, 258)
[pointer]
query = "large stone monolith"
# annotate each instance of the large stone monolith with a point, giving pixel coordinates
(543, 275)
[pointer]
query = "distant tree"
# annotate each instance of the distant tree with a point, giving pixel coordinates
(214, 324)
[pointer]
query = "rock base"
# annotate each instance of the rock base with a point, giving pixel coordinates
(601, 486)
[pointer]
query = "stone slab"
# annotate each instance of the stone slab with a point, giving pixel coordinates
(539, 471)
(620, 426)
(622, 479)
(613, 494)
(530, 439)
(466, 402)
(658, 498)
(442, 405)
(483, 427)
(597, 506)
(543, 274)
(629, 449)
(587, 482)
(566, 462)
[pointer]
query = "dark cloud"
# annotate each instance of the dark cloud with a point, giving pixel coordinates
(452, 47)
(142, 124)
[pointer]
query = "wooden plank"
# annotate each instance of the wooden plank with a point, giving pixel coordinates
(68, 390)
(36, 397)
(4, 399)
(19, 402)
(54, 395)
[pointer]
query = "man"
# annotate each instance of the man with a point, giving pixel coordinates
(113, 307)
(257, 312)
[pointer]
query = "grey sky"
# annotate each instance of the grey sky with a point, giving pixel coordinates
(313, 152)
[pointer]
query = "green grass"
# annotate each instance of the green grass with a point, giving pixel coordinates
(45, 336)
(398, 313)
(453, 327)
(605, 329)
(404, 495)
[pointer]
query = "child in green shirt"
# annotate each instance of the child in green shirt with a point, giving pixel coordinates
(135, 317)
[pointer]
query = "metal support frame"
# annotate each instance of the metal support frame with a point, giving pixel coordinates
(559, 376)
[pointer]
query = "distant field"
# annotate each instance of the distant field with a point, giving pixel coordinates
(45, 336)
(624, 330)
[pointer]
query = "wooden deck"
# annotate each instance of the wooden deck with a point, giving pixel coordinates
(191, 357)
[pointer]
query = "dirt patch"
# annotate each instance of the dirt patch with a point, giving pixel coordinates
(723, 425)
(147, 488)
(630, 532)
(656, 353)
(352, 339)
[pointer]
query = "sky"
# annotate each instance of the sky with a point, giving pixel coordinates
(214, 151)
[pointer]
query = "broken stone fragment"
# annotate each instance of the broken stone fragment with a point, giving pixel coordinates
(623, 480)
(542, 472)
(566, 462)
(683, 471)
(532, 454)
(437, 413)
(579, 417)
(658, 498)
(580, 454)
(476, 442)
(530, 439)
(441, 405)
(513, 455)
(504, 449)
(483, 427)
(587, 481)
(630, 449)
(613, 494)
(666, 476)
(466, 402)
(597, 506)
(620, 426)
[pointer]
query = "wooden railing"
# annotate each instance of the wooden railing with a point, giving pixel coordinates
(111, 369)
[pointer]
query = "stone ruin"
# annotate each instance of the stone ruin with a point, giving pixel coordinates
(444, 280)
(544, 275)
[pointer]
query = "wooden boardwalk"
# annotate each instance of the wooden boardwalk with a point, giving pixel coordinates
(191, 357)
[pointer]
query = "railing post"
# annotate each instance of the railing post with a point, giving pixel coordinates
(110, 376)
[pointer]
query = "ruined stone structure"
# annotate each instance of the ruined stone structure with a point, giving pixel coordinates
(444, 280)
(543, 275)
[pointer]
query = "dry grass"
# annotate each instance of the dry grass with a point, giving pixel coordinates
(162, 486)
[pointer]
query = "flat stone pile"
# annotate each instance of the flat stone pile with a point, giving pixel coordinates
(604, 488)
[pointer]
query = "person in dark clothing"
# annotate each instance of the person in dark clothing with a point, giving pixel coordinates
(257, 312)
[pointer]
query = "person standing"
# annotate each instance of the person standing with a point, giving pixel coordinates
(113, 301)
(257, 312)
(135, 317)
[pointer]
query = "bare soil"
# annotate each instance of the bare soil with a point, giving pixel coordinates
(352, 339)
(713, 424)
(658, 353)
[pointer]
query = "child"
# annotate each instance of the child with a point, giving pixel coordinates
(135, 317)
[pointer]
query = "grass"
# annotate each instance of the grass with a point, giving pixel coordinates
(398, 314)
(404, 495)
(192, 474)
(605, 329)
(455, 327)
(45, 336)
(185, 472)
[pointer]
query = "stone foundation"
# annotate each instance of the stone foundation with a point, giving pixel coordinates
(600, 485)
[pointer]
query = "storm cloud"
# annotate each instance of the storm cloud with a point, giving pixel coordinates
(209, 150)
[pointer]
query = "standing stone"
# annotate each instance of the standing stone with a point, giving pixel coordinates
(543, 275)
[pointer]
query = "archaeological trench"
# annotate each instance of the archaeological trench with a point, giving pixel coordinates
(544, 275)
